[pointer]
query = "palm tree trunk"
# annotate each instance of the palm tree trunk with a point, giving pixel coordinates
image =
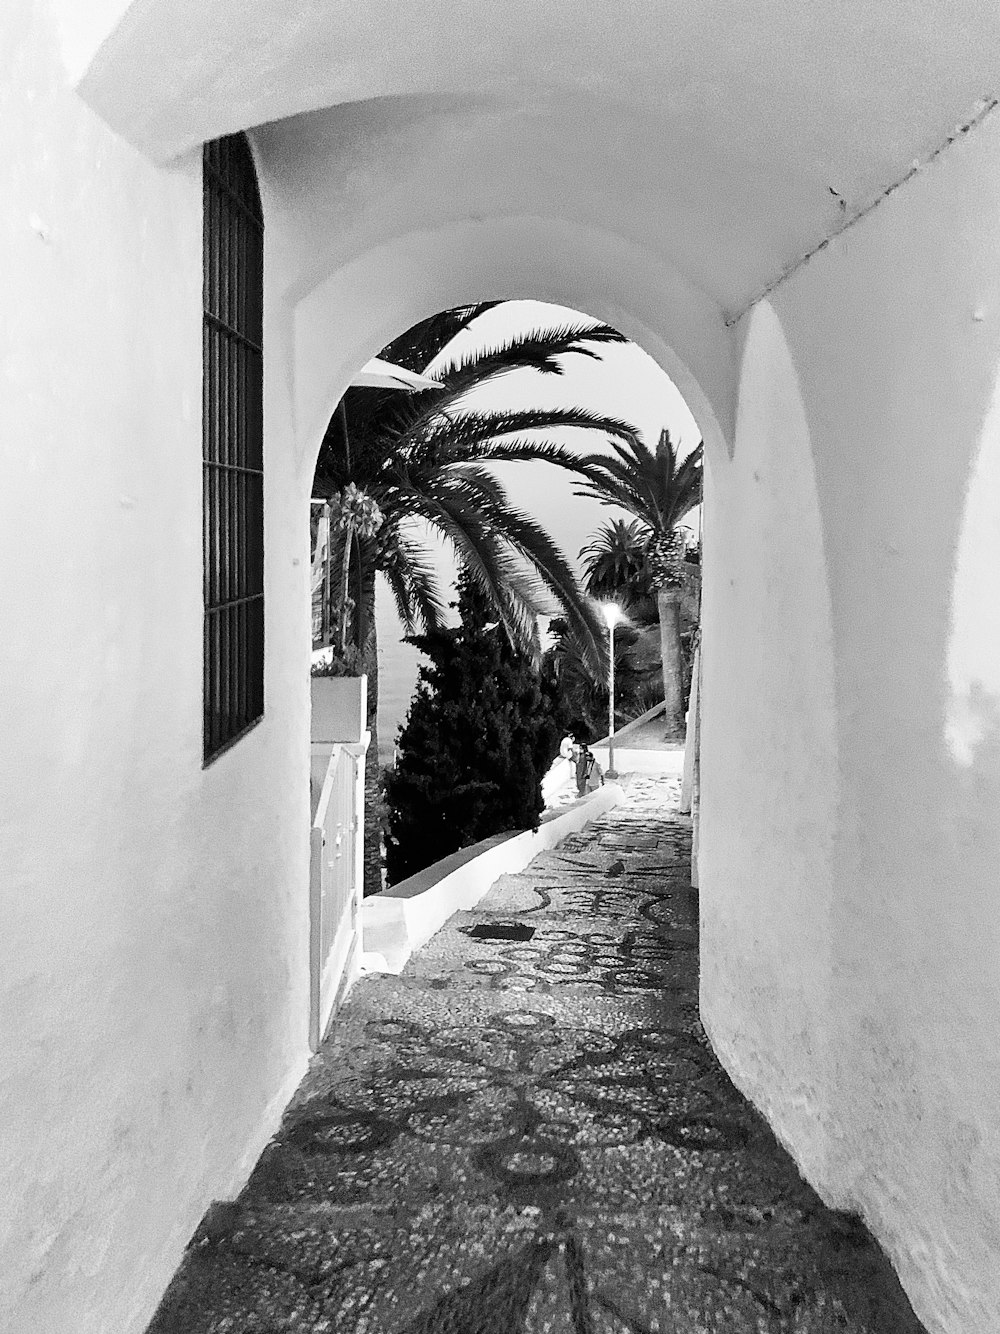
(668, 605)
(345, 580)
(373, 774)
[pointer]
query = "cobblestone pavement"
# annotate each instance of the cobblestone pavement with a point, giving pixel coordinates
(532, 1134)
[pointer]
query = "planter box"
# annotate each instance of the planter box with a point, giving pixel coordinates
(339, 706)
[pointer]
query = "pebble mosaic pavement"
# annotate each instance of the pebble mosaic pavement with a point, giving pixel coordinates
(534, 1137)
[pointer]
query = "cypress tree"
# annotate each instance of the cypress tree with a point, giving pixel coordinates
(479, 737)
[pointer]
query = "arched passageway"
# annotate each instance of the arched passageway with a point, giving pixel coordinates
(665, 176)
(786, 830)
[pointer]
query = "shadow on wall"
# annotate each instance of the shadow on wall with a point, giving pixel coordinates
(909, 477)
(851, 789)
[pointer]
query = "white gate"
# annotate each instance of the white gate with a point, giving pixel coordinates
(336, 876)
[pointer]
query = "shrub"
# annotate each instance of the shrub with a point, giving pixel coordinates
(480, 735)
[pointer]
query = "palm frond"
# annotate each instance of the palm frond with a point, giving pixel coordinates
(396, 417)
(634, 478)
(688, 482)
(454, 513)
(528, 450)
(472, 511)
(439, 435)
(457, 432)
(413, 582)
(666, 461)
(614, 561)
(422, 342)
(609, 489)
(488, 485)
(538, 349)
(528, 537)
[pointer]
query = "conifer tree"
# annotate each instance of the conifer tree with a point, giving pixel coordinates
(480, 735)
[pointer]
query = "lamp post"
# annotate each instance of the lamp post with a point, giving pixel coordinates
(612, 614)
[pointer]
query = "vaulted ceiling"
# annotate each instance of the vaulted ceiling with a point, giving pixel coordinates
(747, 130)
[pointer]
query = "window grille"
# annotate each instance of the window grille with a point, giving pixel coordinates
(233, 445)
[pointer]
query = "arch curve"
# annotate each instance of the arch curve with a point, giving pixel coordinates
(341, 319)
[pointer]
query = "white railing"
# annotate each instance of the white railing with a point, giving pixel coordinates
(336, 875)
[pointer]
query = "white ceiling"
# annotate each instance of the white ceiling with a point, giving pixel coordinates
(728, 123)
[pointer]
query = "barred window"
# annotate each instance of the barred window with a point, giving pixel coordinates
(233, 441)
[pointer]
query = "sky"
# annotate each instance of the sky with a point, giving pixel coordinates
(625, 382)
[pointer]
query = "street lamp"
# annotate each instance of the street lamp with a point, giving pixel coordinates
(612, 614)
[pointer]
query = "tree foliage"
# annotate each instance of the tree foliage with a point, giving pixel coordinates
(481, 733)
(656, 487)
(616, 567)
(584, 697)
(424, 460)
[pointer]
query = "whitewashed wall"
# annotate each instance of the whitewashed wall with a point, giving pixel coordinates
(770, 796)
(153, 953)
(851, 763)
(154, 957)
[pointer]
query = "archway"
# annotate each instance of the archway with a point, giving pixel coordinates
(651, 426)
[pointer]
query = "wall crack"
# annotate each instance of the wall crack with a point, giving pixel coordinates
(984, 108)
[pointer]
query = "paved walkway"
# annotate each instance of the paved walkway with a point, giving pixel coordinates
(533, 1135)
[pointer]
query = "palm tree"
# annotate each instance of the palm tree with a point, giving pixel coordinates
(659, 491)
(615, 567)
(426, 456)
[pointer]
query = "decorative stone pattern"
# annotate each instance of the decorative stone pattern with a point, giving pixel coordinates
(536, 1136)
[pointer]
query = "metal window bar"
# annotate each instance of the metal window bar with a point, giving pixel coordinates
(233, 445)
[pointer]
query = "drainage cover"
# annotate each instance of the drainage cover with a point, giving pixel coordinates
(501, 931)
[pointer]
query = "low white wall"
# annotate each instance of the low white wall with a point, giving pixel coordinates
(398, 921)
(561, 777)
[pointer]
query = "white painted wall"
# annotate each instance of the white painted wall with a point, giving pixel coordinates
(769, 780)
(154, 959)
(153, 956)
(891, 383)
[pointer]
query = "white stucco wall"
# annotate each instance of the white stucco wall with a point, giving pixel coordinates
(154, 1006)
(154, 963)
(153, 956)
(769, 790)
(890, 381)
(912, 307)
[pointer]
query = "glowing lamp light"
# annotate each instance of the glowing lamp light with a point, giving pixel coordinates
(612, 615)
